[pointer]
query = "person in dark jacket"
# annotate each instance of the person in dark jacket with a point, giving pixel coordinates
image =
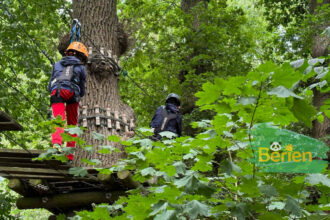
(66, 87)
(167, 118)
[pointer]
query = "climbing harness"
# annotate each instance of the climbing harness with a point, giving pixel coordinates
(67, 75)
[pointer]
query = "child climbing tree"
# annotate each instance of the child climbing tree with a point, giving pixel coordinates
(103, 35)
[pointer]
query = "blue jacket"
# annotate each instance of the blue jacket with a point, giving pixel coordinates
(174, 125)
(79, 70)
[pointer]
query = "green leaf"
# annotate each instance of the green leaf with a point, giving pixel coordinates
(160, 206)
(268, 190)
(167, 134)
(240, 211)
(146, 131)
(78, 171)
(98, 136)
(195, 208)
(139, 155)
(107, 149)
(297, 63)
(159, 189)
(114, 138)
(269, 216)
(292, 206)
(166, 215)
(201, 124)
(46, 155)
(146, 143)
(180, 167)
(68, 150)
(148, 171)
(210, 93)
(104, 170)
(92, 162)
(228, 167)
(60, 217)
(320, 118)
(303, 111)
(74, 130)
(276, 205)
(170, 170)
(283, 92)
(298, 179)
(285, 76)
(317, 178)
(189, 182)
(205, 189)
(247, 100)
(249, 186)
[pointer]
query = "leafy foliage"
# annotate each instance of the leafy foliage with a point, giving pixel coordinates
(192, 183)
(178, 51)
(29, 34)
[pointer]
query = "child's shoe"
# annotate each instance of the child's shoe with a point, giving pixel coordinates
(58, 148)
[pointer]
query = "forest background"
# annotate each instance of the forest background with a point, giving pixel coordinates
(234, 63)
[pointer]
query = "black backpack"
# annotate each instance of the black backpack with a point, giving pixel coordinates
(67, 74)
(167, 117)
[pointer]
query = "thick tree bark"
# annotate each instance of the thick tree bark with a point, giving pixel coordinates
(320, 48)
(101, 29)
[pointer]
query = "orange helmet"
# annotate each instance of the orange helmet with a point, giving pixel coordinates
(77, 46)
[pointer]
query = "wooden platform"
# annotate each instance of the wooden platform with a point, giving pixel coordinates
(8, 124)
(48, 184)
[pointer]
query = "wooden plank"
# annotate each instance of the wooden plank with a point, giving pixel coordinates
(30, 176)
(20, 152)
(97, 118)
(31, 165)
(125, 122)
(8, 124)
(68, 200)
(117, 121)
(27, 170)
(27, 162)
(17, 159)
(131, 124)
(84, 113)
(109, 120)
(4, 117)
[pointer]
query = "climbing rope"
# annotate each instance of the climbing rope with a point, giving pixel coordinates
(75, 31)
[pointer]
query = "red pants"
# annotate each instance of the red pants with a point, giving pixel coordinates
(71, 111)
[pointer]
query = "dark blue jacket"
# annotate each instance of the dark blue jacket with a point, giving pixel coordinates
(174, 125)
(79, 70)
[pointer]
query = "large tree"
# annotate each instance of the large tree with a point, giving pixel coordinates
(102, 32)
(320, 48)
(303, 24)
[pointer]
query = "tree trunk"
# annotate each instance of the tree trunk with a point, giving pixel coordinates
(100, 29)
(320, 48)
